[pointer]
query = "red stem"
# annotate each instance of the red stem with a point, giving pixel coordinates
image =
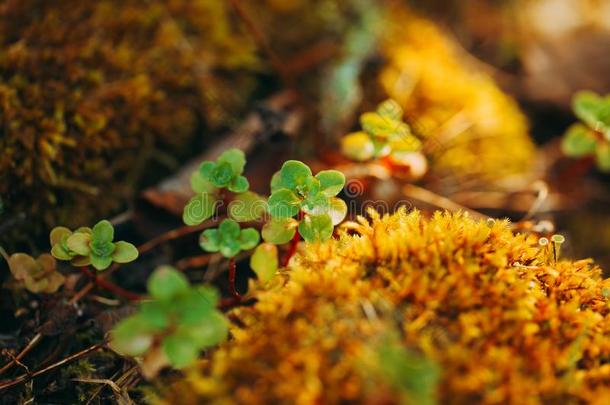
(292, 248)
(232, 271)
(107, 285)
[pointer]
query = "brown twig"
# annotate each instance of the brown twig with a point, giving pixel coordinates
(193, 262)
(107, 285)
(73, 357)
(23, 352)
(439, 201)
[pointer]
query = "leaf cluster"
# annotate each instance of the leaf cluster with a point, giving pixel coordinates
(175, 325)
(229, 239)
(86, 246)
(38, 275)
(591, 136)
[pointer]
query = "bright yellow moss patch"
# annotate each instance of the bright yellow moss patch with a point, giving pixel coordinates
(504, 325)
(472, 127)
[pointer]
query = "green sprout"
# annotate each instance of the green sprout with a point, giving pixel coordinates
(229, 239)
(591, 136)
(37, 275)
(264, 261)
(172, 328)
(86, 246)
(384, 133)
(208, 183)
(295, 192)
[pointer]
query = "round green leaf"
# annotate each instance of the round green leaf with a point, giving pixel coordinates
(331, 182)
(214, 329)
(103, 231)
(198, 209)
(180, 350)
(124, 252)
(337, 210)
(100, 262)
(248, 238)
(201, 185)
(264, 261)
(131, 336)
(222, 175)
(578, 141)
(209, 240)
(358, 146)
(316, 228)
(276, 182)
(279, 230)
(236, 158)
(155, 314)
(247, 206)
(193, 307)
(166, 283)
(229, 248)
(205, 170)
(80, 261)
(587, 106)
(60, 253)
(58, 233)
(239, 184)
(79, 243)
(229, 230)
(602, 156)
(294, 173)
(283, 203)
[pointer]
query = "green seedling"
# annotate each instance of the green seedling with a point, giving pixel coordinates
(264, 261)
(229, 239)
(295, 192)
(86, 246)
(37, 275)
(173, 326)
(591, 136)
(209, 183)
(384, 133)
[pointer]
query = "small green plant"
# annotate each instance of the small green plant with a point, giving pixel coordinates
(172, 328)
(591, 136)
(86, 246)
(295, 192)
(384, 134)
(37, 275)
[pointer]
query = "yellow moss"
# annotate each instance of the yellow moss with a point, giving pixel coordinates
(503, 323)
(472, 128)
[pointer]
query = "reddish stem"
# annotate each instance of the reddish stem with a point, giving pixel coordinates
(232, 271)
(107, 285)
(292, 249)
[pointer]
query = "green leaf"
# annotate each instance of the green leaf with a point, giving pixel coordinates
(201, 185)
(166, 283)
(155, 314)
(592, 110)
(209, 240)
(124, 252)
(390, 109)
(229, 248)
(246, 207)
(239, 184)
(315, 228)
(80, 261)
(236, 158)
(294, 173)
(58, 233)
(79, 243)
(222, 175)
(283, 203)
(180, 350)
(214, 329)
(248, 239)
(229, 230)
(276, 182)
(602, 156)
(331, 182)
(131, 336)
(358, 146)
(264, 261)
(60, 253)
(279, 230)
(206, 169)
(103, 231)
(192, 308)
(337, 210)
(100, 262)
(578, 141)
(198, 209)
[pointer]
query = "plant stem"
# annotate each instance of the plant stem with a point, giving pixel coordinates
(232, 271)
(292, 248)
(23, 352)
(4, 254)
(107, 285)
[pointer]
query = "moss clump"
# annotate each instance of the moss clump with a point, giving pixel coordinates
(471, 127)
(503, 323)
(88, 89)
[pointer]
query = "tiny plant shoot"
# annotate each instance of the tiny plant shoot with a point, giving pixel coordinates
(38, 275)
(386, 136)
(173, 326)
(591, 136)
(86, 246)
